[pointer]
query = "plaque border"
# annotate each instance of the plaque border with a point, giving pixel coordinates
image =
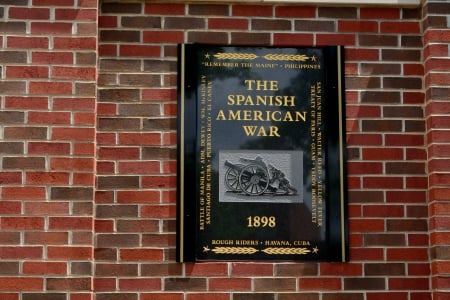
(337, 216)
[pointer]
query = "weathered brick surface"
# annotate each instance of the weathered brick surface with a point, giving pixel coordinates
(47, 61)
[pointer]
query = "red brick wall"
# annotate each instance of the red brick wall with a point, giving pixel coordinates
(89, 165)
(47, 128)
(437, 86)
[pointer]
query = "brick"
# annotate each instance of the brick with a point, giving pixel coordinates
(159, 94)
(408, 284)
(12, 87)
(162, 296)
(357, 26)
(118, 240)
(75, 43)
(49, 118)
(248, 269)
(14, 2)
(384, 154)
(45, 268)
(9, 268)
(20, 284)
(275, 284)
(343, 296)
(22, 223)
(295, 11)
(70, 223)
(402, 27)
(85, 73)
(140, 284)
(364, 283)
(141, 22)
(116, 296)
(67, 14)
(227, 23)
(337, 12)
(54, 28)
(79, 164)
(244, 38)
(384, 240)
(293, 296)
(378, 40)
(185, 284)
(223, 284)
(49, 148)
(164, 9)
(46, 178)
(12, 27)
(44, 296)
(121, 182)
(79, 134)
(323, 283)
(210, 10)
(164, 211)
(46, 208)
(366, 225)
(365, 167)
(409, 140)
(400, 55)
(337, 269)
(113, 211)
(46, 238)
(150, 167)
(35, 163)
(252, 10)
(405, 197)
(81, 268)
(405, 168)
(140, 80)
(20, 252)
(10, 56)
(406, 225)
(74, 104)
(118, 95)
(53, 88)
(387, 295)
(140, 50)
(272, 25)
(128, 36)
(71, 284)
(29, 13)
(142, 254)
(403, 82)
(384, 269)
(10, 207)
(379, 13)
(378, 69)
(27, 42)
(71, 193)
(123, 8)
(386, 211)
(211, 37)
(69, 252)
(383, 182)
(380, 97)
(21, 193)
(116, 270)
(140, 196)
(153, 181)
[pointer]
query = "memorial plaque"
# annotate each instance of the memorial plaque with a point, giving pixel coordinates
(261, 154)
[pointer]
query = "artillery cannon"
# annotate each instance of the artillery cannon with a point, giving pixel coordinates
(253, 178)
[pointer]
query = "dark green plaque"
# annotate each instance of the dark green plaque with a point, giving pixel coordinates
(261, 154)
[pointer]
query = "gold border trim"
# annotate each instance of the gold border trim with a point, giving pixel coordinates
(181, 145)
(341, 152)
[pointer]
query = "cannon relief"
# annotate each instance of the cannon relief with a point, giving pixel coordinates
(254, 177)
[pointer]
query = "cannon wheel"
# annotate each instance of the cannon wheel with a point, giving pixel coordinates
(254, 179)
(232, 177)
